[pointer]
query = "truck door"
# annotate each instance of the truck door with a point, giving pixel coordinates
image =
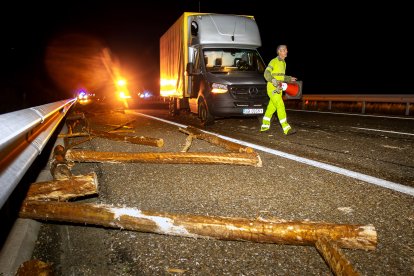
(196, 79)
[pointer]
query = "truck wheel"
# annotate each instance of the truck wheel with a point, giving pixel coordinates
(205, 116)
(173, 107)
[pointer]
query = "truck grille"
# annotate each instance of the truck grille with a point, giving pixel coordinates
(248, 92)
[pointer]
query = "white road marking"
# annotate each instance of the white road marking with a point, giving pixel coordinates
(360, 176)
(382, 130)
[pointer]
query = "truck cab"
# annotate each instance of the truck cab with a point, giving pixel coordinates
(222, 74)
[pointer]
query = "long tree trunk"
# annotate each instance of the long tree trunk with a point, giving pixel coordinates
(141, 140)
(233, 158)
(224, 228)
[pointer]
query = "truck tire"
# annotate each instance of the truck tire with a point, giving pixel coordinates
(173, 107)
(204, 115)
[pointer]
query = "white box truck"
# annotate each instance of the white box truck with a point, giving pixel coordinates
(209, 65)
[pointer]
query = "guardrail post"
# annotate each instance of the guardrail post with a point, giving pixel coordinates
(363, 107)
(407, 108)
(329, 105)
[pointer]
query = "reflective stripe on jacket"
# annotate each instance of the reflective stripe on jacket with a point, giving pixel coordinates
(275, 70)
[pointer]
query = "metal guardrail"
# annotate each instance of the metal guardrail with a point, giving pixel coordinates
(23, 135)
(401, 98)
(406, 99)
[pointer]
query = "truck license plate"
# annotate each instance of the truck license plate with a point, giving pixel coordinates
(253, 111)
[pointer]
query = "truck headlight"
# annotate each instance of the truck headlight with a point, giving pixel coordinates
(218, 88)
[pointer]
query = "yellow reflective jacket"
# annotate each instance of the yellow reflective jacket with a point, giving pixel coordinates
(276, 70)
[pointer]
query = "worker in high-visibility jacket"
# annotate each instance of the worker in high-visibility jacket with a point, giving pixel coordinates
(275, 76)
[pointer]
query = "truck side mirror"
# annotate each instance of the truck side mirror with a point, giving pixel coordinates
(194, 28)
(190, 69)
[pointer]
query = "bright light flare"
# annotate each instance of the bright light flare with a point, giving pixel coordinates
(121, 82)
(124, 95)
(82, 95)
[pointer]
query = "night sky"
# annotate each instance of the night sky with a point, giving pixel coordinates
(338, 48)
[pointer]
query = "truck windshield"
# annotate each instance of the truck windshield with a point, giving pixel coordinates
(229, 59)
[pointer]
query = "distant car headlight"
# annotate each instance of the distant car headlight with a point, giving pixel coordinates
(144, 94)
(82, 96)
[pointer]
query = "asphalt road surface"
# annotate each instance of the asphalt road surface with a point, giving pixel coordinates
(343, 169)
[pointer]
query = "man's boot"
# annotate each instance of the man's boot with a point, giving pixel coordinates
(265, 124)
(290, 131)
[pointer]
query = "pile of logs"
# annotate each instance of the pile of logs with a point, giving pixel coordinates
(237, 155)
(53, 201)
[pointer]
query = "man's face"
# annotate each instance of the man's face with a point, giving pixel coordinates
(283, 52)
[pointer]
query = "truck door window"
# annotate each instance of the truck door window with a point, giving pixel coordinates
(196, 61)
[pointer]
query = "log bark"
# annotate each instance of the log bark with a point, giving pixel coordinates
(122, 131)
(124, 125)
(188, 142)
(228, 145)
(83, 134)
(77, 134)
(334, 257)
(59, 166)
(63, 190)
(74, 119)
(223, 228)
(116, 127)
(76, 116)
(142, 140)
(35, 267)
(234, 158)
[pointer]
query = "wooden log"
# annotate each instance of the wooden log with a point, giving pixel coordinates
(77, 143)
(228, 145)
(334, 257)
(60, 171)
(77, 134)
(35, 267)
(63, 190)
(76, 116)
(59, 166)
(233, 158)
(115, 127)
(142, 140)
(124, 125)
(188, 142)
(82, 134)
(70, 127)
(74, 119)
(197, 226)
(122, 131)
